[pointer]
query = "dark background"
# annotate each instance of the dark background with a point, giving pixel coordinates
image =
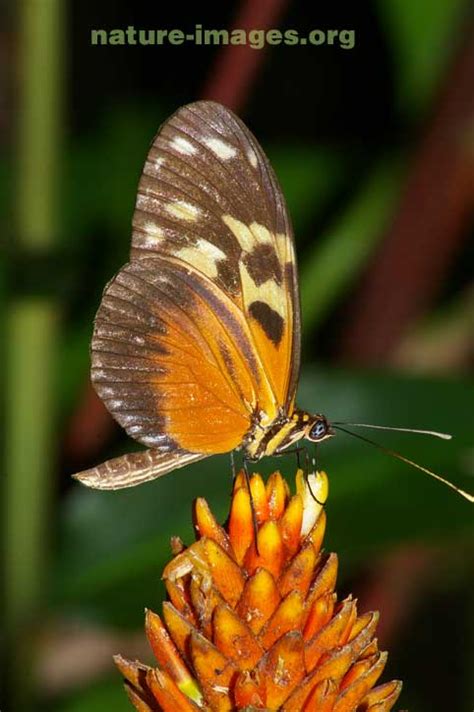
(374, 149)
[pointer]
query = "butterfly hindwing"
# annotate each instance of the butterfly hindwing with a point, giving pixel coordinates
(172, 359)
(135, 468)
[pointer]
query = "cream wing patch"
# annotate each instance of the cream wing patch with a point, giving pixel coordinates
(150, 236)
(269, 292)
(153, 166)
(182, 210)
(285, 248)
(183, 146)
(220, 148)
(204, 256)
(248, 237)
(252, 157)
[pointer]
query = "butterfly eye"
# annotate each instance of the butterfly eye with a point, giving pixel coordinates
(319, 430)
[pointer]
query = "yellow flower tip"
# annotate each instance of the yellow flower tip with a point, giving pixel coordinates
(259, 600)
(361, 668)
(269, 553)
(330, 636)
(276, 495)
(352, 696)
(382, 698)
(257, 625)
(190, 688)
(325, 579)
(282, 668)
(298, 574)
(240, 481)
(182, 563)
(259, 497)
(370, 649)
(366, 623)
(290, 524)
(234, 638)
(241, 532)
(316, 535)
(288, 616)
(320, 613)
(226, 574)
(206, 525)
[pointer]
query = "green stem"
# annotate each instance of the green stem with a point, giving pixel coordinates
(32, 344)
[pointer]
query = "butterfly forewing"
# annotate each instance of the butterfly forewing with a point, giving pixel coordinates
(209, 197)
(199, 334)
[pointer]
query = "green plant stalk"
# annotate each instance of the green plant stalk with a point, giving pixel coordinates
(31, 342)
(420, 59)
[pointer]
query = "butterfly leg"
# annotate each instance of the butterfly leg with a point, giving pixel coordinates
(252, 504)
(297, 451)
(306, 472)
(306, 468)
(232, 465)
(315, 469)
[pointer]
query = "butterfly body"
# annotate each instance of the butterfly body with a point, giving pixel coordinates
(285, 431)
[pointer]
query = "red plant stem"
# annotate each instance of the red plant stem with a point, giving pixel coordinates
(428, 230)
(236, 67)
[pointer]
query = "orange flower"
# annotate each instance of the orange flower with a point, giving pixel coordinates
(260, 627)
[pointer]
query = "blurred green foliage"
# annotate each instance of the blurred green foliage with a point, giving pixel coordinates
(110, 547)
(422, 36)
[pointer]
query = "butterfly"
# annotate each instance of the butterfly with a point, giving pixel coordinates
(196, 343)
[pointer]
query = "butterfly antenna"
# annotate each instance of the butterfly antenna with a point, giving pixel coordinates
(434, 433)
(404, 459)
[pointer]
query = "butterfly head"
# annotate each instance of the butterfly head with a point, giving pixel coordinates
(318, 429)
(315, 428)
